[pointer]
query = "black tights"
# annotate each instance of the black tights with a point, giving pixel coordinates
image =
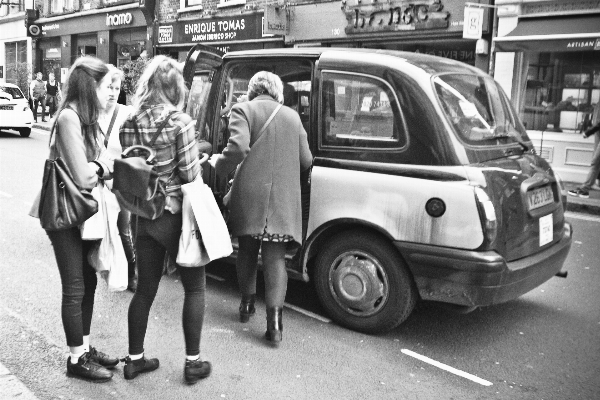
(154, 239)
(78, 280)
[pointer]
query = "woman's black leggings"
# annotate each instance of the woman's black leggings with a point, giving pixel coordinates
(154, 238)
(78, 280)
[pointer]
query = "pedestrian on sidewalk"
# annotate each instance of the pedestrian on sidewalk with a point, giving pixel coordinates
(110, 121)
(270, 146)
(52, 94)
(75, 139)
(160, 96)
(583, 191)
(37, 92)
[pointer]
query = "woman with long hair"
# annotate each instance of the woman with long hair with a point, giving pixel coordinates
(75, 138)
(160, 96)
(270, 146)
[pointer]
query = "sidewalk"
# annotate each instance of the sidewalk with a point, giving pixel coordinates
(574, 204)
(12, 388)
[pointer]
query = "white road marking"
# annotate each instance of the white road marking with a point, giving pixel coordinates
(4, 194)
(216, 278)
(584, 217)
(307, 313)
(447, 368)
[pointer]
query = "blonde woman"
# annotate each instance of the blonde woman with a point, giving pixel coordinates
(111, 118)
(162, 91)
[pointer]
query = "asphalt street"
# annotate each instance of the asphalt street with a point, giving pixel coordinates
(544, 345)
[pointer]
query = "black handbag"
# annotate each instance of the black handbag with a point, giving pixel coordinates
(63, 204)
(136, 183)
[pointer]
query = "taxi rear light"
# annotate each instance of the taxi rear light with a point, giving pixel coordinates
(487, 213)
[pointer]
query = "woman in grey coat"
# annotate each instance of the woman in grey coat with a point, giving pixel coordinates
(264, 203)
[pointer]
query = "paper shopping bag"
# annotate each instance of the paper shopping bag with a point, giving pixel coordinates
(191, 252)
(213, 230)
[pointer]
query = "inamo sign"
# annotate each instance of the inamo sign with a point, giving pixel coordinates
(119, 19)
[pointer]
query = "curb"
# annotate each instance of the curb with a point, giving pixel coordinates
(12, 388)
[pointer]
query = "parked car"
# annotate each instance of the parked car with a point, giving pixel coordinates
(14, 110)
(424, 185)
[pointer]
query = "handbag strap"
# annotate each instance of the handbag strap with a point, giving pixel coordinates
(158, 131)
(269, 120)
(111, 124)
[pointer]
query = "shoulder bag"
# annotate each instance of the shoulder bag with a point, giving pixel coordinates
(63, 204)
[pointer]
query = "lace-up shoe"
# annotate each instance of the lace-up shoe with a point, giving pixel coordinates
(196, 370)
(135, 367)
(103, 359)
(88, 369)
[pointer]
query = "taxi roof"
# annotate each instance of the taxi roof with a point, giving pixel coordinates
(431, 64)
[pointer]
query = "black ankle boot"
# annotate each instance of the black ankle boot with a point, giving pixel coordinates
(274, 324)
(247, 308)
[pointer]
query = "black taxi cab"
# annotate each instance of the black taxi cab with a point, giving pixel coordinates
(424, 184)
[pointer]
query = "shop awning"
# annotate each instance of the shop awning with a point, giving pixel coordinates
(572, 33)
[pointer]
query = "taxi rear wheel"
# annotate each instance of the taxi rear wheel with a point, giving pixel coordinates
(25, 132)
(363, 283)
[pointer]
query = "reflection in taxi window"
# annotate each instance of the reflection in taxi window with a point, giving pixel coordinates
(358, 112)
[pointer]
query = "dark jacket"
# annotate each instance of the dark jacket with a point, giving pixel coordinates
(266, 189)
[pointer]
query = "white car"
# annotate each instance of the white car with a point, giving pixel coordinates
(14, 110)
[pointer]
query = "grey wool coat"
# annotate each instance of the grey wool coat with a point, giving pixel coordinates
(266, 189)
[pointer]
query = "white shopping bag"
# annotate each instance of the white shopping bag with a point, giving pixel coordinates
(191, 251)
(213, 230)
(94, 227)
(108, 257)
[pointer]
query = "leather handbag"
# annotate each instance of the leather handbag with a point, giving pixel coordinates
(63, 204)
(135, 180)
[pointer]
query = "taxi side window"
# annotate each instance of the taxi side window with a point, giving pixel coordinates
(196, 101)
(359, 111)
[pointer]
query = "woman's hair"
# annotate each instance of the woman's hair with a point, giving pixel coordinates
(265, 82)
(161, 83)
(115, 73)
(82, 81)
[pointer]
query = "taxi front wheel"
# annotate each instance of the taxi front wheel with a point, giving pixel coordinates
(363, 283)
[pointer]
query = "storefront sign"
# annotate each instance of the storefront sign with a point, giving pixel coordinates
(94, 23)
(119, 19)
(395, 15)
(165, 34)
(473, 23)
(276, 20)
(235, 28)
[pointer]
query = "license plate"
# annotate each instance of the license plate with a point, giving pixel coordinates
(546, 231)
(6, 107)
(540, 197)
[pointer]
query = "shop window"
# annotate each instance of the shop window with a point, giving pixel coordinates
(62, 6)
(229, 3)
(561, 90)
(13, 7)
(190, 5)
(16, 56)
(359, 112)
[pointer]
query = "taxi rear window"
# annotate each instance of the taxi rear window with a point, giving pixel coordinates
(478, 109)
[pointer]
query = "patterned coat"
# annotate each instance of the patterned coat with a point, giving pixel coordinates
(265, 194)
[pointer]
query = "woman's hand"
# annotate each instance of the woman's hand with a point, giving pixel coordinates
(213, 160)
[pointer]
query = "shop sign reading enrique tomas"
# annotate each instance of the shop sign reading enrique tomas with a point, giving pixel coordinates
(225, 29)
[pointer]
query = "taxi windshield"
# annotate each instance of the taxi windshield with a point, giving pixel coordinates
(478, 109)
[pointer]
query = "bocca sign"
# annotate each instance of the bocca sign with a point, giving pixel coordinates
(119, 19)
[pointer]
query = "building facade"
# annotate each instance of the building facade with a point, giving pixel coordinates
(425, 26)
(228, 25)
(15, 45)
(548, 61)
